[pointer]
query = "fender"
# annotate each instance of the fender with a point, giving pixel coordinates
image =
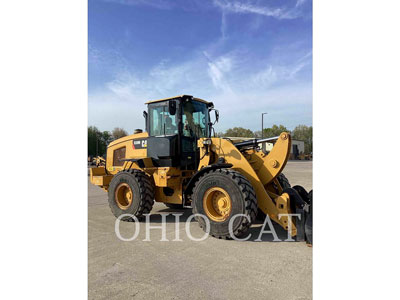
(189, 187)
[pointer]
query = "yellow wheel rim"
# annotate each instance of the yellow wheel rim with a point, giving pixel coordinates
(123, 196)
(217, 204)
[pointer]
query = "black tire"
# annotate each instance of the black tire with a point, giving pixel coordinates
(303, 193)
(309, 221)
(242, 196)
(283, 181)
(142, 194)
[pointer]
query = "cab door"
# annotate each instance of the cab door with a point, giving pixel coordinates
(163, 140)
(194, 126)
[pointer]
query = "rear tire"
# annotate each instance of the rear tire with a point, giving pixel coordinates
(130, 192)
(228, 186)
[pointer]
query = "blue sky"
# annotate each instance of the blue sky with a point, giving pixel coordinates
(246, 56)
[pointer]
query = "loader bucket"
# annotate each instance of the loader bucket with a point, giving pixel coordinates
(98, 176)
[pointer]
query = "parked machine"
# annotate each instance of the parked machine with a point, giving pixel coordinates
(99, 161)
(177, 161)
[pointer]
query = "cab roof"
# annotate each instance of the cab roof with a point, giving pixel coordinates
(179, 98)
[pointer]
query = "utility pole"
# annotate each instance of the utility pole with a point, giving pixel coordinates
(262, 124)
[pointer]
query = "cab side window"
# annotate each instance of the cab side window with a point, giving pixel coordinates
(161, 122)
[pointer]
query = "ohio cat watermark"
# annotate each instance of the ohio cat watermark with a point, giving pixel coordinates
(149, 226)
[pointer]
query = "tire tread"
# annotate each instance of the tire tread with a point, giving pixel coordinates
(146, 194)
(249, 196)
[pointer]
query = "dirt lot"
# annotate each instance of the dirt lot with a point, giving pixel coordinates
(210, 269)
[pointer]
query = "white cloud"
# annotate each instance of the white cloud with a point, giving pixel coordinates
(300, 3)
(217, 70)
(289, 105)
(163, 79)
(236, 6)
(240, 7)
(239, 90)
(250, 7)
(276, 73)
(223, 25)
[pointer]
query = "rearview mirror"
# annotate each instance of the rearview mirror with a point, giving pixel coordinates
(145, 118)
(216, 112)
(172, 107)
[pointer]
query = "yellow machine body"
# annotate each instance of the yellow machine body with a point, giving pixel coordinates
(163, 177)
(259, 168)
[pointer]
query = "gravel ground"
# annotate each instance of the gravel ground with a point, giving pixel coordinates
(210, 269)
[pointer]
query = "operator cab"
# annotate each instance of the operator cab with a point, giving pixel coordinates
(174, 125)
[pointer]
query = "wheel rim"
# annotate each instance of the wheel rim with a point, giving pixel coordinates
(123, 196)
(217, 204)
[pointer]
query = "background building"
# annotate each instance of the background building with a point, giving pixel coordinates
(296, 149)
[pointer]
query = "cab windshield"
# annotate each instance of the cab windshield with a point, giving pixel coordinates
(195, 119)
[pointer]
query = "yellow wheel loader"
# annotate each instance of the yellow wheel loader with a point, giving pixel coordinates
(99, 161)
(177, 161)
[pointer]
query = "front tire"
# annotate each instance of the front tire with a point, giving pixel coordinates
(308, 224)
(283, 181)
(220, 195)
(130, 192)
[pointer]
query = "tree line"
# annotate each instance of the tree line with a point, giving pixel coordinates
(98, 140)
(300, 132)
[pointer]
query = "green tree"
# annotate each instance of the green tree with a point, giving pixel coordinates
(304, 133)
(93, 140)
(107, 137)
(118, 133)
(238, 132)
(275, 130)
(98, 141)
